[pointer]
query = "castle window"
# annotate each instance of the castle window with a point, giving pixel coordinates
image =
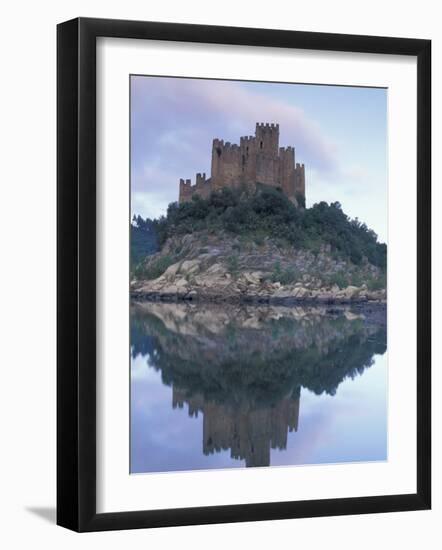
(243, 161)
(218, 150)
(260, 144)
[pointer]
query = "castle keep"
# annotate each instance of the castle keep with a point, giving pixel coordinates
(257, 159)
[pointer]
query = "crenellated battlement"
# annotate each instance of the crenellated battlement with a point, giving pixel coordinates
(222, 146)
(201, 179)
(247, 139)
(263, 126)
(202, 187)
(257, 159)
(231, 146)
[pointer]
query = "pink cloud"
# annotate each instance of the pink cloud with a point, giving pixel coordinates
(199, 107)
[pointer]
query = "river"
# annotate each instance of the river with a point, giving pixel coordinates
(247, 386)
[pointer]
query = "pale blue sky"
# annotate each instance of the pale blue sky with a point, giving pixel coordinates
(340, 133)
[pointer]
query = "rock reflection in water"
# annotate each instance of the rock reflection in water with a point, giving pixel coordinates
(242, 368)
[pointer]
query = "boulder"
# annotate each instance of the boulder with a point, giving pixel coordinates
(171, 271)
(283, 293)
(302, 292)
(351, 291)
(251, 278)
(189, 266)
(377, 295)
(211, 281)
(169, 289)
(180, 283)
(217, 269)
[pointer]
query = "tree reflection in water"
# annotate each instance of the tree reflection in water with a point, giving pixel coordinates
(243, 367)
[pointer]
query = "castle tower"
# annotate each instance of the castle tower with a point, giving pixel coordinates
(300, 180)
(287, 170)
(267, 160)
(248, 159)
(217, 163)
(186, 190)
(267, 139)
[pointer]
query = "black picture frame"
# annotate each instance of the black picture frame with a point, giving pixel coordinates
(76, 273)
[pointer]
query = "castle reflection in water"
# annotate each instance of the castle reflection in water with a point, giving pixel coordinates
(242, 368)
(248, 433)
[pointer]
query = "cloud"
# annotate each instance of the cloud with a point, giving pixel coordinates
(174, 121)
(356, 173)
(149, 204)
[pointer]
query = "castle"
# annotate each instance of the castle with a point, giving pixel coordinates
(257, 159)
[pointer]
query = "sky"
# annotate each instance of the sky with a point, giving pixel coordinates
(339, 133)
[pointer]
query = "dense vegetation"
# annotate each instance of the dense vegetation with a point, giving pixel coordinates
(268, 212)
(143, 239)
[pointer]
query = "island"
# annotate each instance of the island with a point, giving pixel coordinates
(245, 235)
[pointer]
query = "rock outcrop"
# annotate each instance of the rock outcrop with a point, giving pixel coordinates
(221, 269)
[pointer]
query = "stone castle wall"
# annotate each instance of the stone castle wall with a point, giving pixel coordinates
(257, 159)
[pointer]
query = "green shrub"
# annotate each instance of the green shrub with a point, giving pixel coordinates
(338, 279)
(259, 239)
(143, 240)
(284, 276)
(268, 212)
(377, 283)
(233, 264)
(357, 279)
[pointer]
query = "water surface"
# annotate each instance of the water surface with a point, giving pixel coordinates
(230, 386)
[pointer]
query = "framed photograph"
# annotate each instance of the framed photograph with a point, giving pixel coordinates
(243, 274)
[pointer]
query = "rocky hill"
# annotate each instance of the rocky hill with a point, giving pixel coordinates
(261, 249)
(200, 266)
